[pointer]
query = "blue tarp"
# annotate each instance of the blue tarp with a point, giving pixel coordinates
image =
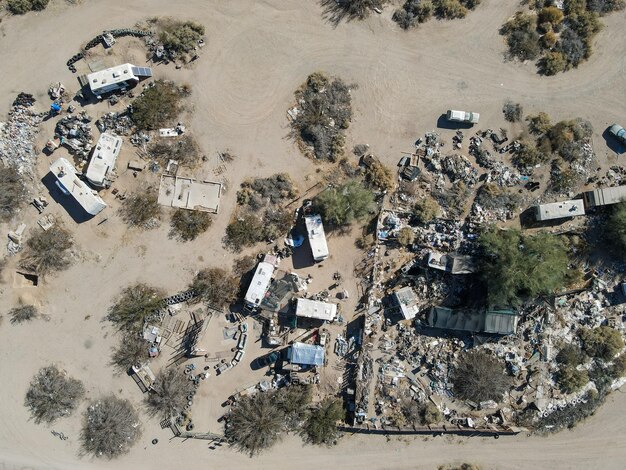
(306, 354)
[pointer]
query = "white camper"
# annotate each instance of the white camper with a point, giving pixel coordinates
(317, 237)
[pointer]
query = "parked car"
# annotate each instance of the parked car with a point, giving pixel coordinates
(267, 360)
(462, 116)
(618, 132)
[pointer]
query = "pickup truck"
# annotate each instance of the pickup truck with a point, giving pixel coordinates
(618, 132)
(462, 116)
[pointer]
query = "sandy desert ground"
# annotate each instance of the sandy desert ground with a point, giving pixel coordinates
(258, 52)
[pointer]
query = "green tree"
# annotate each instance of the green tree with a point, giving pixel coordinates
(321, 425)
(570, 355)
(571, 380)
(134, 306)
(342, 205)
(425, 210)
(517, 267)
(602, 342)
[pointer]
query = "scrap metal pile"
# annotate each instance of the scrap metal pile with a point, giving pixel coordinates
(74, 131)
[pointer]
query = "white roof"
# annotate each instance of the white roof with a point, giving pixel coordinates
(114, 75)
(408, 302)
(314, 309)
(259, 284)
(103, 158)
(65, 173)
(605, 196)
(317, 238)
(188, 193)
(560, 210)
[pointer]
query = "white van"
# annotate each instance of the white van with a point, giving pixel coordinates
(462, 116)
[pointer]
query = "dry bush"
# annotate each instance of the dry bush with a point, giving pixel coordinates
(23, 313)
(157, 106)
(244, 265)
(170, 393)
(187, 225)
(215, 286)
(179, 38)
(425, 210)
(479, 376)
(141, 209)
(185, 150)
(52, 394)
(379, 176)
(13, 192)
(406, 236)
(256, 423)
(513, 112)
(48, 251)
(110, 427)
(132, 350)
(420, 414)
(243, 231)
(134, 306)
(19, 7)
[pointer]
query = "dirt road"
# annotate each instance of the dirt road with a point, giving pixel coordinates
(258, 52)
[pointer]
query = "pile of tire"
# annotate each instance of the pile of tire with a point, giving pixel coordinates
(179, 298)
(137, 33)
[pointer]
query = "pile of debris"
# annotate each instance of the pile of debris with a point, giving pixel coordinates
(118, 123)
(18, 134)
(74, 131)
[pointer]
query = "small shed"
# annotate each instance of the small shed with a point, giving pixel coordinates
(306, 354)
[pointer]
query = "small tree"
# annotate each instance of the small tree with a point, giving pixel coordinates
(616, 226)
(52, 394)
(602, 342)
(379, 176)
(48, 251)
(23, 313)
(215, 286)
(141, 209)
(512, 111)
(110, 427)
(13, 192)
(479, 376)
(321, 425)
(157, 106)
(170, 394)
(571, 380)
(256, 423)
(342, 205)
(570, 355)
(131, 351)
(539, 123)
(134, 306)
(294, 401)
(425, 210)
(180, 36)
(406, 236)
(187, 224)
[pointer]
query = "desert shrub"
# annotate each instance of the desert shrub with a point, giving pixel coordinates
(48, 251)
(365, 242)
(449, 9)
(321, 425)
(132, 350)
(180, 36)
(406, 236)
(293, 401)
(256, 423)
(215, 286)
(571, 380)
(570, 355)
(110, 427)
(187, 225)
(135, 305)
(550, 15)
(425, 210)
(563, 179)
(243, 231)
(424, 414)
(527, 155)
(274, 189)
(52, 394)
(379, 176)
(564, 133)
(325, 110)
(479, 376)
(519, 22)
(524, 45)
(23, 313)
(539, 123)
(169, 395)
(490, 196)
(549, 40)
(616, 226)
(244, 265)
(512, 111)
(517, 267)
(157, 106)
(276, 223)
(344, 204)
(13, 192)
(572, 47)
(618, 369)
(413, 12)
(353, 9)
(602, 342)
(605, 6)
(19, 7)
(141, 209)
(470, 4)
(184, 150)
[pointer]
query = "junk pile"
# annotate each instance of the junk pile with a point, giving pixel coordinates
(18, 134)
(74, 131)
(118, 123)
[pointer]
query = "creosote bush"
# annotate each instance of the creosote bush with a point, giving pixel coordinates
(215, 286)
(52, 394)
(19, 7)
(425, 210)
(132, 350)
(134, 306)
(141, 209)
(110, 427)
(169, 397)
(48, 251)
(414, 12)
(479, 376)
(23, 313)
(157, 106)
(184, 150)
(13, 192)
(187, 225)
(180, 36)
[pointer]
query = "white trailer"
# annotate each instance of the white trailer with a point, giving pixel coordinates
(102, 163)
(259, 284)
(317, 237)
